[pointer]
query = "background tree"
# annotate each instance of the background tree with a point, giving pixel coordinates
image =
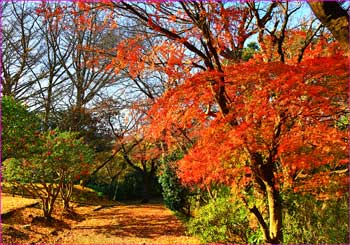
(142, 156)
(21, 50)
(53, 88)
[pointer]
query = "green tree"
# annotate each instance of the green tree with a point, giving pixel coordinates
(250, 50)
(52, 165)
(71, 159)
(19, 127)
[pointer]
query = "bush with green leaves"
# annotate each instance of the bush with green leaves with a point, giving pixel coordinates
(174, 194)
(311, 221)
(223, 220)
(54, 162)
(72, 159)
(19, 128)
(249, 51)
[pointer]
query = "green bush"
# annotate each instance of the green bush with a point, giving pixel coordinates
(223, 221)
(55, 161)
(19, 129)
(311, 221)
(174, 194)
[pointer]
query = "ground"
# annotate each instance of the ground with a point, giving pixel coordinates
(93, 221)
(147, 223)
(10, 203)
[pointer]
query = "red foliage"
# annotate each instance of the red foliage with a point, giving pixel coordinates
(286, 113)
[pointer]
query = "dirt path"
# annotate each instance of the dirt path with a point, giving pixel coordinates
(149, 223)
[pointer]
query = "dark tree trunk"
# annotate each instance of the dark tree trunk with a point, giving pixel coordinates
(334, 17)
(48, 104)
(48, 203)
(112, 190)
(146, 188)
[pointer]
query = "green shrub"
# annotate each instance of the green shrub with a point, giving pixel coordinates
(311, 221)
(223, 221)
(57, 159)
(19, 128)
(174, 194)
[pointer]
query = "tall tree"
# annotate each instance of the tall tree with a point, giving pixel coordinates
(21, 50)
(87, 75)
(52, 89)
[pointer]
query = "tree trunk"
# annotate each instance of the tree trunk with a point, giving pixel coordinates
(112, 193)
(48, 205)
(115, 193)
(66, 194)
(146, 188)
(334, 17)
(275, 215)
(47, 208)
(264, 176)
(48, 104)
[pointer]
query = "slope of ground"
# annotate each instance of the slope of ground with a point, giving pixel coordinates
(10, 203)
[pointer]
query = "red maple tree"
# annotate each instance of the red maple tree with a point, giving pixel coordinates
(280, 131)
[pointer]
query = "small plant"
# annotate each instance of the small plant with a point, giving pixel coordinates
(100, 194)
(223, 220)
(312, 221)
